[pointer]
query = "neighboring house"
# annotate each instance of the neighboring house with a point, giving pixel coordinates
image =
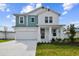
(77, 32)
(41, 24)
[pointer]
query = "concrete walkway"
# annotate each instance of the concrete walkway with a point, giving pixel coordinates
(14, 48)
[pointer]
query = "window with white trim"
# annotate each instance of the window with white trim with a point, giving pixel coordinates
(21, 19)
(46, 19)
(32, 19)
(50, 20)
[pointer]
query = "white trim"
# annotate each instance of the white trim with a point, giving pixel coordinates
(20, 19)
(26, 20)
(39, 34)
(50, 34)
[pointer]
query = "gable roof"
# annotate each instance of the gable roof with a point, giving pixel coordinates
(38, 9)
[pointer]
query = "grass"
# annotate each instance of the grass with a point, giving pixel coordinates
(57, 49)
(1, 41)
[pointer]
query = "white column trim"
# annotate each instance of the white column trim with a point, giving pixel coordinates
(50, 34)
(27, 20)
(39, 39)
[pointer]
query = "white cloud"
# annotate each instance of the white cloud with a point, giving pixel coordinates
(30, 7)
(38, 5)
(76, 23)
(13, 20)
(65, 12)
(27, 8)
(3, 6)
(8, 16)
(67, 7)
(7, 9)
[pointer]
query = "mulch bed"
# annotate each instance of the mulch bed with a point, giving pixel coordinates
(71, 43)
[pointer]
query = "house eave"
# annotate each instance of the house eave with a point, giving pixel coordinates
(50, 25)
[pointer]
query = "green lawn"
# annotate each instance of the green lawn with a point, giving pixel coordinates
(57, 49)
(1, 41)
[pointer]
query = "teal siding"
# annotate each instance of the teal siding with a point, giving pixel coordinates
(20, 25)
(32, 24)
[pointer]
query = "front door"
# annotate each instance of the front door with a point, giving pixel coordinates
(42, 30)
(54, 32)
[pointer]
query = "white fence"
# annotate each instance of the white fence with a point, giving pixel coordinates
(9, 35)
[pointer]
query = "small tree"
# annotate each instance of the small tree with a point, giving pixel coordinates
(72, 32)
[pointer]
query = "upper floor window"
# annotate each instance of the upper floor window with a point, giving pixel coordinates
(46, 19)
(21, 19)
(32, 19)
(50, 19)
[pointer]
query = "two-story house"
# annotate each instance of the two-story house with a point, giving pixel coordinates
(41, 24)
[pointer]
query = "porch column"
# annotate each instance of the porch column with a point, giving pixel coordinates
(50, 34)
(62, 34)
(38, 34)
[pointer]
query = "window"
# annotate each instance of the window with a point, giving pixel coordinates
(46, 19)
(50, 19)
(54, 32)
(42, 33)
(21, 19)
(32, 19)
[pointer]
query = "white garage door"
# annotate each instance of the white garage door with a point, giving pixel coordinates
(28, 34)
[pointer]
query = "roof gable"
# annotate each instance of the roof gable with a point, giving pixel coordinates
(38, 9)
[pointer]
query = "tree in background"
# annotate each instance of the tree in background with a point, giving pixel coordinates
(72, 32)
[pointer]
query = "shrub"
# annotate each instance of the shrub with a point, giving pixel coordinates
(66, 40)
(53, 40)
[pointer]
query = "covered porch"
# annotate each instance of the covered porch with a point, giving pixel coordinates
(48, 32)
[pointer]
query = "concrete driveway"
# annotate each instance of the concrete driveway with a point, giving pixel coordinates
(14, 48)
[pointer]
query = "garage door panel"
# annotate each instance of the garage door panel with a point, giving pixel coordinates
(26, 35)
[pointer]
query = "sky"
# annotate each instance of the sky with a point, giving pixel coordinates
(69, 12)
